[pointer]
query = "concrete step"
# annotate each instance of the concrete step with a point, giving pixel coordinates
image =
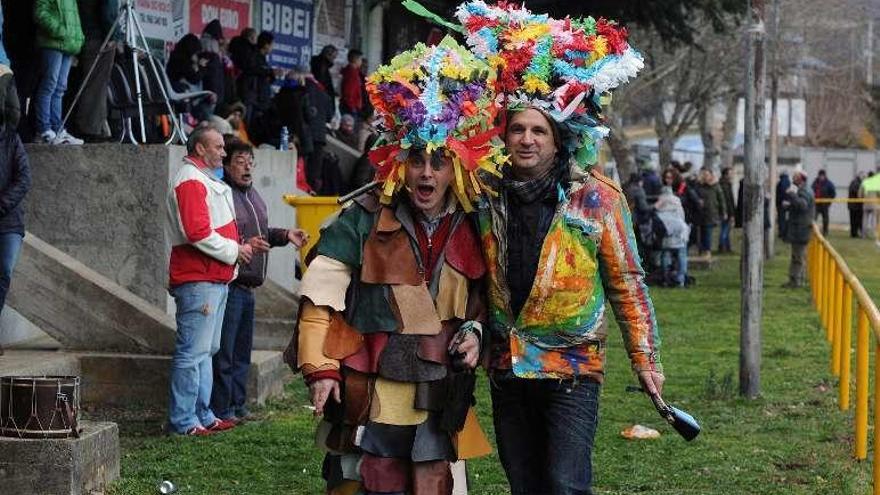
(275, 315)
(83, 309)
(272, 334)
(125, 380)
(16, 362)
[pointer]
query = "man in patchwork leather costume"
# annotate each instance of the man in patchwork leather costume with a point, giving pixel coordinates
(389, 327)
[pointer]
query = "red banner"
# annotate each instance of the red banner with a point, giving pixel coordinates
(234, 15)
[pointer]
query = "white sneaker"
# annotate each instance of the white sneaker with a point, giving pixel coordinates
(65, 137)
(47, 137)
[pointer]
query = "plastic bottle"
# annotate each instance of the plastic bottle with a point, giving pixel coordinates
(285, 137)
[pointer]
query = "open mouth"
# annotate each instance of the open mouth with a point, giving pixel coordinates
(424, 192)
(246, 177)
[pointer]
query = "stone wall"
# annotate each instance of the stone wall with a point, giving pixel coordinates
(104, 205)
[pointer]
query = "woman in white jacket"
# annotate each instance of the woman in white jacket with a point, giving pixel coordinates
(675, 243)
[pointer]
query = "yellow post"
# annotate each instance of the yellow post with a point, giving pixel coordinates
(820, 278)
(834, 321)
(861, 445)
(845, 347)
(876, 464)
(811, 268)
(830, 269)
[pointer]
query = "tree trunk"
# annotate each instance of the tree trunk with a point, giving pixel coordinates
(620, 147)
(707, 135)
(770, 234)
(728, 130)
(666, 144)
(753, 210)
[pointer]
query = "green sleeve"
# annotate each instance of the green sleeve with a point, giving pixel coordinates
(47, 19)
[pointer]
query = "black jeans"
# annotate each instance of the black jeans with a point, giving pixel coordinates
(545, 430)
(822, 209)
(855, 222)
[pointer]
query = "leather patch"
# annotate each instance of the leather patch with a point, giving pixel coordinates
(340, 438)
(358, 387)
(393, 402)
(366, 359)
(430, 478)
(431, 396)
(464, 253)
(471, 441)
(452, 294)
(400, 361)
(415, 309)
(434, 348)
(431, 442)
(388, 254)
(342, 340)
(384, 474)
(388, 440)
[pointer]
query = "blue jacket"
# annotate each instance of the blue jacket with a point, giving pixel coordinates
(15, 181)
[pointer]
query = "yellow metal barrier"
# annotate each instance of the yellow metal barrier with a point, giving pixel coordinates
(311, 212)
(838, 295)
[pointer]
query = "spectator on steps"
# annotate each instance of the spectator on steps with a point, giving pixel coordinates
(186, 70)
(214, 51)
(60, 38)
(232, 361)
(15, 181)
(90, 114)
(255, 82)
(320, 67)
(204, 253)
(352, 99)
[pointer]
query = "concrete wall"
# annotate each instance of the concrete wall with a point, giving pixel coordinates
(105, 206)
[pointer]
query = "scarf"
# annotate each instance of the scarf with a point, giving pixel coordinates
(528, 191)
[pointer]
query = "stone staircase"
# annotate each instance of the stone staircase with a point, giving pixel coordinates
(119, 343)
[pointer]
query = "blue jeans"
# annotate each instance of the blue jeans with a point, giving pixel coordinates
(10, 247)
(55, 67)
(233, 361)
(681, 260)
(545, 431)
(724, 236)
(706, 237)
(200, 308)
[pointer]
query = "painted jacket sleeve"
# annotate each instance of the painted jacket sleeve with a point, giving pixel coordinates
(195, 219)
(625, 288)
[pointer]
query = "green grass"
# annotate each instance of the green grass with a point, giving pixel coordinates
(793, 440)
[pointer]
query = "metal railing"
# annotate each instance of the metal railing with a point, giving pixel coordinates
(834, 289)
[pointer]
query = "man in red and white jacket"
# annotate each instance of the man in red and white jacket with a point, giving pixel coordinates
(205, 250)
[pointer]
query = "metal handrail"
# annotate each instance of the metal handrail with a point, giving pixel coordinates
(834, 286)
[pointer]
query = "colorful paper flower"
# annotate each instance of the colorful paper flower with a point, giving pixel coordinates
(433, 98)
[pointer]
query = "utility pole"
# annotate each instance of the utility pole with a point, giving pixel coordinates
(770, 234)
(752, 268)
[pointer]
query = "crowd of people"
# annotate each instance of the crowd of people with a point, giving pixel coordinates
(681, 209)
(240, 92)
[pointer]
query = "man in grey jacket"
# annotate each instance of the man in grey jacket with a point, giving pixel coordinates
(800, 205)
(232, 361)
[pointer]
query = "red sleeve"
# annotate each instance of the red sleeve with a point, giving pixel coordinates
(322, 374)
(351, 88)
(192, 206)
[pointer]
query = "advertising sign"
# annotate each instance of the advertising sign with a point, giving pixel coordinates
(234, 15)
(291, 23)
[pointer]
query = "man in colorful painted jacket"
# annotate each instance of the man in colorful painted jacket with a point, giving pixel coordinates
(389, 327)
(559, 243)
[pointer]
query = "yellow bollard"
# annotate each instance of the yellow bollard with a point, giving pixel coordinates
(845, 347)
(311, 212)
(876, 463)
(820, 279)
(834, 322)
(861, 443)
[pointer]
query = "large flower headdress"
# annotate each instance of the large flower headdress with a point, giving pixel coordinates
(436, 98)
(560, 66)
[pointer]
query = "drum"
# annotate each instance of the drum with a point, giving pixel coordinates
(39, 406)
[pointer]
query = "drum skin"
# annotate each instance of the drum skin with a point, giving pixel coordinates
(39, 406)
